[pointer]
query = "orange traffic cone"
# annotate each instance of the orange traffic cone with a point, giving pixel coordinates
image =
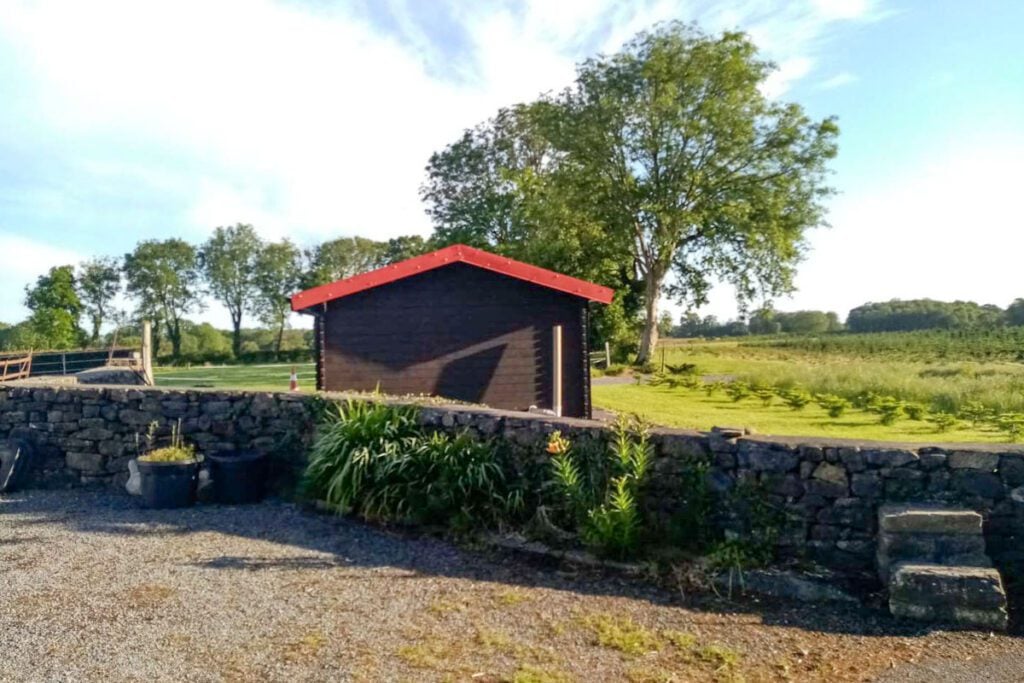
(293, 383)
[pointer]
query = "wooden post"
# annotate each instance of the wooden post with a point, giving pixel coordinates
(63, 363)
(147, 351)
(556, 370)
(607, 355)
(662, 359)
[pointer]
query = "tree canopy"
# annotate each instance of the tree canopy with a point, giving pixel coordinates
(663, 165)
(228, 260)
(99, 281)
(56, 310)
(164, 277)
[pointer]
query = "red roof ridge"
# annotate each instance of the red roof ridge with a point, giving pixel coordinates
(456, 253)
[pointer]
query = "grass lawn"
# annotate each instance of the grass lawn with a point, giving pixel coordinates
(694, 409)
(273, 377)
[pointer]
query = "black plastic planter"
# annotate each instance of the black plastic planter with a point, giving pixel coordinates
(238, 476)
(15, 461)
(168, 484)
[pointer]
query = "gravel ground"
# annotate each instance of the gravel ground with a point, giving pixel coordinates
(94, 589)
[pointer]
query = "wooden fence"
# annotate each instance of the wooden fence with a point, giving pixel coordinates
(15, 367)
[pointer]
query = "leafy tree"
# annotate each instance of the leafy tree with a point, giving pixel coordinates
(164, 277)
(674, 148)
(405, 247)
(923, 314)
(56, 309)
(498, 188)
(342, 258)
(1015, 313)
(99, 281)
(278, 275)
(228, 261)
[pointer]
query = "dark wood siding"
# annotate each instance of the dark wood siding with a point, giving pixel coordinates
(460, 332)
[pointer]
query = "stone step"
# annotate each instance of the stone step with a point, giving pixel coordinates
(966, 596)
(923, 519)
(941, 549)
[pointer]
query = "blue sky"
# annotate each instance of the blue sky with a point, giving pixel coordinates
(124, 120)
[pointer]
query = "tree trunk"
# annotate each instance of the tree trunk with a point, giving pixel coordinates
(174, 331)
(649, 337)
(236, 339)
(95, 338)
(280, 339)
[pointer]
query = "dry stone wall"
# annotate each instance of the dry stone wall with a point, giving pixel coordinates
(829, 489)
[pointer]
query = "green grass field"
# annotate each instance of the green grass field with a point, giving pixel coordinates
(273, 377)
(693, 409)
(946, 385)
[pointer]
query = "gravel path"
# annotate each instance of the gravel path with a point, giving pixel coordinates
(94, 589)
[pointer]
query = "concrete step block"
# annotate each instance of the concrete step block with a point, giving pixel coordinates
(924, 519)
(965, 596)
(941, 549)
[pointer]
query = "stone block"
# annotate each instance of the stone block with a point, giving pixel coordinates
(977, 483)
(1011, 469)
(852, 459)
(973, 460)
(965, 596)
(85, 462)
(890, 458)
(918, 519)
(867, 485)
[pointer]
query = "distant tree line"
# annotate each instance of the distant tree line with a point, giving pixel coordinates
(890, 316)
(170, 280)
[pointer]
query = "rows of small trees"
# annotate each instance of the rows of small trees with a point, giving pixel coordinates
(926, 314)
(170, 280)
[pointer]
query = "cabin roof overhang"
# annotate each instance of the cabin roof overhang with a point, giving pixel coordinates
(306, 300)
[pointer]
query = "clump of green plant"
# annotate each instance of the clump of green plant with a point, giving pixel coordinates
(176, 451)
(890, 409)
(658, 379)
(374, 460)
(796, 399)
(943, 422)
(1012, 424)
(737, 390)
(765, 395)
(975, 413)
(614, 370)
(834, 405)
(607, 515)
(712, 388)
(914, 411)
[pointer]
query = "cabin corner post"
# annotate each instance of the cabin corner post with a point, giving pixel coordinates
(556, 370)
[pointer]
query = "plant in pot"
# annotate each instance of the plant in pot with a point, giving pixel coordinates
(169, 474)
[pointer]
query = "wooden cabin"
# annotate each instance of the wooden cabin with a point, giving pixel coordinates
(459, 323)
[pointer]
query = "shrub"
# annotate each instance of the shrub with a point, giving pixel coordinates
(943, 421)
(765, 395)
(614, 370)
(834, 405)
(737, 390)
(1010, 423)
(375, 461)
(975, 413)
(914, 411)
(889, 409)
(797, 399)
(606, 513)
(712, 388)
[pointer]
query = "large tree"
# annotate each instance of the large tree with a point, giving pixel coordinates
(666, 154)
(99, 281)
(677, 149)
(164, 277)
(500, 187)
(405, 247)
(56, 309)
(341, 258)
(228, 261)
(278, 275)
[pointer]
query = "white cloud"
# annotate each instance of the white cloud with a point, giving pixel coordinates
(838, 81)
(312, 122)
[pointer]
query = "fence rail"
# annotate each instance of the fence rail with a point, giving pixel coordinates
(70, 362)
(603, 357)
(17, 367)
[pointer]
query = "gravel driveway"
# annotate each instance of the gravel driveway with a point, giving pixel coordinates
(94, 589)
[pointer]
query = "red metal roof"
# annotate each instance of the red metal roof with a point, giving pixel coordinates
(457, 253)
